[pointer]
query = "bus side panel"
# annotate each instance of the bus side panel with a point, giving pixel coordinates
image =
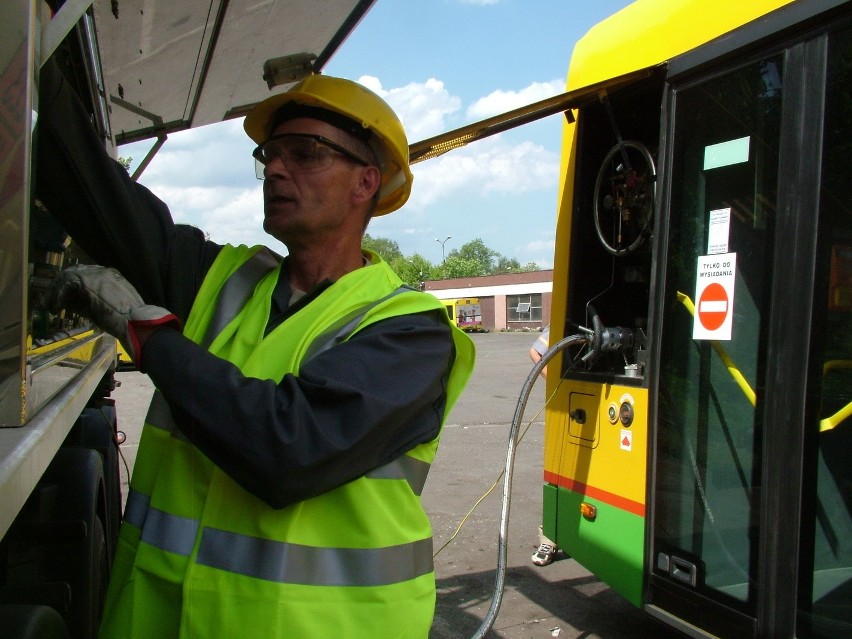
(610, 546)
(594, 468)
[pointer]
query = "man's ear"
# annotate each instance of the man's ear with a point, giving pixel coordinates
(369, 182)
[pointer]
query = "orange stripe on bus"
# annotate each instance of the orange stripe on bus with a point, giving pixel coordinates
(606, 497)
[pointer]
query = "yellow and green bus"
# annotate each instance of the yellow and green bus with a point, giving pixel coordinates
(697, 447)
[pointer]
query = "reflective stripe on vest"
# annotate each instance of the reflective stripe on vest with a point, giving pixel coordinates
(136, 508)
(278, 561)
(414, 471)
(237, 290)
(177, 534)
(160, 529)
(240, 285)
(169, 535)
(343, 329)
(310, 566)
(160, 416)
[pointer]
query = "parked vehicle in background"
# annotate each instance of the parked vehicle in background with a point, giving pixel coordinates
(466, 313)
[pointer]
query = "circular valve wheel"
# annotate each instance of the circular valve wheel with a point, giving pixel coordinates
(624, 197)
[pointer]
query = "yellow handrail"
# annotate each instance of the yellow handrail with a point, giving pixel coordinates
(831, 421)
(825, 424)
(741, 381)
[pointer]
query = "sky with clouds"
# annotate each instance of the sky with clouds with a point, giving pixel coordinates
(440, 64)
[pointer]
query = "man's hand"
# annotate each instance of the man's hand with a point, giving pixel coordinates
(110, 301)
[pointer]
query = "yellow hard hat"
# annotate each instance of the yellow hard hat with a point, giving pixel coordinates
(363, 107)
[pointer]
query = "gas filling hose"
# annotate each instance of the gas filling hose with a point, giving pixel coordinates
(503, 538)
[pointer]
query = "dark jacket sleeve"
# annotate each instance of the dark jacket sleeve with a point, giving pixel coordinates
(116, 221)
(352, 409)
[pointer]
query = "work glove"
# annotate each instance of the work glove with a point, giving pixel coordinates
(110, 301)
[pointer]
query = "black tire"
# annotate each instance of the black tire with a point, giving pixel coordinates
(23, 621)
(97, 428)
(100, 570)
(81, 558)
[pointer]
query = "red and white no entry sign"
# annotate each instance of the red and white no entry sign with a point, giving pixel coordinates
(713, 306)
(714, 296)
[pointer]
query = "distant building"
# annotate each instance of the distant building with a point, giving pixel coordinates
(510, 301)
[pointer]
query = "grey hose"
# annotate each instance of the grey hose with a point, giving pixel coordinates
(503, 538)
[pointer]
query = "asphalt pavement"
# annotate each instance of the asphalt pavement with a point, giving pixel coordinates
(561, 600)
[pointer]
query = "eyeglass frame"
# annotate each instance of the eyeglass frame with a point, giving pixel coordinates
(319, 139)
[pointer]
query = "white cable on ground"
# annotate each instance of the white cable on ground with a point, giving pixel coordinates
(503, 538)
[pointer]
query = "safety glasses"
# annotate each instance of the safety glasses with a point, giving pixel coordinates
(300, 153)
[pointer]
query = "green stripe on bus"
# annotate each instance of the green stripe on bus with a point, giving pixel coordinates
(611, 546)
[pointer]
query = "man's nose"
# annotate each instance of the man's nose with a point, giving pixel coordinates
(275, 168)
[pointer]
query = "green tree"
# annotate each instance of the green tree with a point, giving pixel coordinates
(476, 251)
(412, 270)
(388, 249)
(473, 259)
(457, 266)
(507, 265)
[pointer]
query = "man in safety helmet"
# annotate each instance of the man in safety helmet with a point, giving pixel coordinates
(299, 401)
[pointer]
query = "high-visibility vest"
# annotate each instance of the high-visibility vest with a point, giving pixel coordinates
(200, 557)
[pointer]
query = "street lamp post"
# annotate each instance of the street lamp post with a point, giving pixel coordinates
(442, 242)
(421, 283)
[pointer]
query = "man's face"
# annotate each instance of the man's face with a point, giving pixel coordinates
(302, 207)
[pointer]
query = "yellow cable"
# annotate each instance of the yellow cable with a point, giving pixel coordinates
(496, 481)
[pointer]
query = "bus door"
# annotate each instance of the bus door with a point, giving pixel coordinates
(750, 528)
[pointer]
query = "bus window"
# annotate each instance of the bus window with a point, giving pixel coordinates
(825, 588)
(724, 166)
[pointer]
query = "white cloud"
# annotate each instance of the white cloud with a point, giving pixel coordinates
(238, 220)
(210, 156)
(422, 106)
(500, 101)
(539, 251)
(540, 246)
(486, 167)
(186, 200)
(226, 214)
